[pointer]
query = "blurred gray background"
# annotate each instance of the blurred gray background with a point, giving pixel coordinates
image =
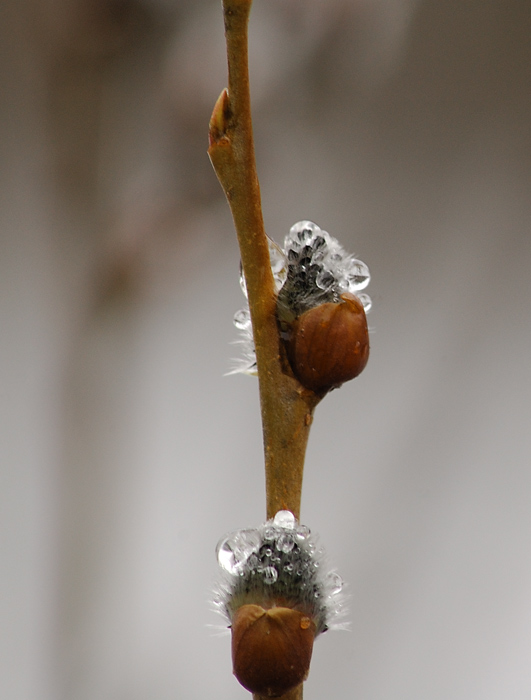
(403, 128)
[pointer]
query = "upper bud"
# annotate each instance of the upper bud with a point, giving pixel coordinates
(329, 344)
(312, 271)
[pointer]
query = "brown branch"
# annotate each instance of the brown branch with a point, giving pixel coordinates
(295, 694)
(287, 408)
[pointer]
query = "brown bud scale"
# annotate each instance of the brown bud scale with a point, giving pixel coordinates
(329, 344)
(271, 648)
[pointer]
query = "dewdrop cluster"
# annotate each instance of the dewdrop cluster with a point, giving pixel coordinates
(279, 563)
(311, 269)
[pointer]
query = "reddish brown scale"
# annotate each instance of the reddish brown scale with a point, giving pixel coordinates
(329, 344)
(271, 649)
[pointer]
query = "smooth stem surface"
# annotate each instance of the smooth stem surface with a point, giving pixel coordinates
(295, 694)
(287, 407)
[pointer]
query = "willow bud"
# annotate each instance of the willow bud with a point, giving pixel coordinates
(329, 344)
(278, 595)
(271, 649)
(313, 273)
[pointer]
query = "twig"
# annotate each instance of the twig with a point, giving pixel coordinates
(295, 694)
(287, 407)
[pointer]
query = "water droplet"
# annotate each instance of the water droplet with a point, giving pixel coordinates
(285, 519)
(269, 533)
(366, 302)
(253, 561)
(336, 256)
(233, 551)
(325, 279)
(279, 264)
(243, 286)
(358, 276)
(302, 533)
(270, 575)
(305, 623)
(334, 583)
(301, 233)
(285, 543)
(242, 319)
(288, 568)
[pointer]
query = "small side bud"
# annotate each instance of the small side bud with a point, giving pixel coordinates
(219, 119)
(329, 344)
(271, 649)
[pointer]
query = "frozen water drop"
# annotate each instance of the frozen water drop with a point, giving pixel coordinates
(334, 583)
(366, 302)
(358, 276)
(270, 575)
(285, 543)
(242, 319)
(285, 519)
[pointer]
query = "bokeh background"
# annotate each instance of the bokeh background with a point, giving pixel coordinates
(403, 128)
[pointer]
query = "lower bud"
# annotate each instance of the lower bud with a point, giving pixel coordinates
(329, 344)
(271, 648)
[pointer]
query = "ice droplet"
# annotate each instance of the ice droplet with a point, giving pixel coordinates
(242, 319)
(270, 575)
(284, 518)
(366, 302)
